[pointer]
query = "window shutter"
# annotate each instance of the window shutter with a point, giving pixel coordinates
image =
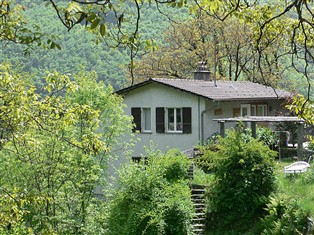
(136, 113)
(160, 120)
(187, 120)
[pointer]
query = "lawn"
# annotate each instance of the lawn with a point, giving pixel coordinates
(298, 186)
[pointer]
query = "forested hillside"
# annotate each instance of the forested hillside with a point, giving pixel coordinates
(174, 47)
(80, 49)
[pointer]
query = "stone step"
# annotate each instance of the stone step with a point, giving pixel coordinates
(197, 186)
(199, 205)
(199, 225)
(198, 200)
(200, 210)
(197, 196)
(199, 215)
(198, 219)
(198, 231)
(198, 191)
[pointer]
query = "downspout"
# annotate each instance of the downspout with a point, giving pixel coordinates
(202, 120)
(199, 118)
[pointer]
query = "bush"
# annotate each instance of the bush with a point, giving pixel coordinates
(152, 198)
(284, 216)
(243, 180)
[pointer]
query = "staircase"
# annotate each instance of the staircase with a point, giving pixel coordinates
(198, 198)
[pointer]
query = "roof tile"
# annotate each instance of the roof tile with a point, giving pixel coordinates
(219, 90)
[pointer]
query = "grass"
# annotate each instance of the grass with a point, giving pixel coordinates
(202, 178)
(298, 186)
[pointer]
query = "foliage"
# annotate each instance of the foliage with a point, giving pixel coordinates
(299, 186)
(152, 198)
(228, 44)
(271, 37)
(243, 180)
(303, 108)
(53, 152)
(284, 216)
(81, 50)
(201, 178)
(14, 27)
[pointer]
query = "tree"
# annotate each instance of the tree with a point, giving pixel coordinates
(198, 39)
(286, 22)
(54, 148)
(289, 20)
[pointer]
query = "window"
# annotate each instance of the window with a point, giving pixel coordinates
(253, 110)
(142, 119)
(136, 113)
(147, 120)
(245, 110)
(174, 120)
(262, 110)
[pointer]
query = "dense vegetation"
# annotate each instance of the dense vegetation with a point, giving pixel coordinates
(54, 149)
(152, 197)
(160, 40)
(247, 192)
(60, 126)
(80, 49)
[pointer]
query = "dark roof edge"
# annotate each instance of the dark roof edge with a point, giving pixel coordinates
(151, 80)
(129, 88)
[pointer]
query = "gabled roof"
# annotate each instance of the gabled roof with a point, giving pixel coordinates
(221, 90)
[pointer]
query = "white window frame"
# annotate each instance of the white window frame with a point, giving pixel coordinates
(264, 109)
(175, 124)
(252, 109)
(144, 119)
(248, 108)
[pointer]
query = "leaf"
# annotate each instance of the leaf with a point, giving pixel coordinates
(91, 17)
(102, 29)
(95, 24)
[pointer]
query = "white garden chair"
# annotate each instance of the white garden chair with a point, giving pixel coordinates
(296, 167)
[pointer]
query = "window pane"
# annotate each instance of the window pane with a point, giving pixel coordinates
(171, 119)
(262, 110)
(179, 120)
(147, 119)
(253, 110)
(244, 111)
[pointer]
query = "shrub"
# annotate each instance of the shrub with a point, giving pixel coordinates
(243, 180)
(152, 198)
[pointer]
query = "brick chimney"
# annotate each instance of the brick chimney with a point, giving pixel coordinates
(201, 72)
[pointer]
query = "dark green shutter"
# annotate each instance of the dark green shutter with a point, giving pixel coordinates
(160, 120)
(187, 120)
(136, 113)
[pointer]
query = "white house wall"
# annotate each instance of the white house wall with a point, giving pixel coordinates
(157, 95)
(203, 112)
(226, 111)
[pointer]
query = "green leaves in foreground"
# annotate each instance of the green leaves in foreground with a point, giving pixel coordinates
(152, 198)
(53, 151)
(243, 180)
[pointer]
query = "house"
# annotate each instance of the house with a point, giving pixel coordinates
(176, 113)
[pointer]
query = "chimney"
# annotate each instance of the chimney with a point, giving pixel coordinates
(201, 72)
